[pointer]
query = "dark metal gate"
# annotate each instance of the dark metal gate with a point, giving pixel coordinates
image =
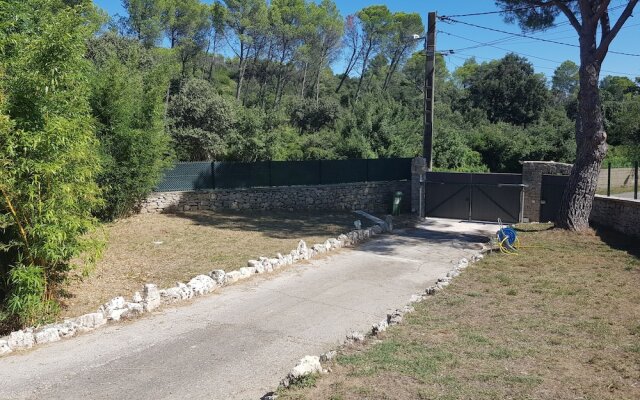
(551, 196)
(479, 197)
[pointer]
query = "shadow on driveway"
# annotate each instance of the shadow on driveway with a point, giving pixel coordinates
(388, 244)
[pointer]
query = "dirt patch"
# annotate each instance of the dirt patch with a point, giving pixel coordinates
(166, 248)
(559, 321)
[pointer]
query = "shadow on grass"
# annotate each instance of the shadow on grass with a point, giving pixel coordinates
(618, 240)
(277, 224)
(297, 224)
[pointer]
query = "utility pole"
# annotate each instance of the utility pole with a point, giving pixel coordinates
(429, 83)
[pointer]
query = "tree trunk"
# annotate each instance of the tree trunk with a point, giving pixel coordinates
(213, 57)
(365, 60)
(591, 141)
(281, 73)
(241, 67)
(264, 76)
(304, 79)
(347, 70)
(240, 81)
(392, 66)
(286, 76)
(318, 81)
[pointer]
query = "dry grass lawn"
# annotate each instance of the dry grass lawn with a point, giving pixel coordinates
(559, 321)
(164, 248)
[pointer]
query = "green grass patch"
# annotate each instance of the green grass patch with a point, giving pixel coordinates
(558, 321)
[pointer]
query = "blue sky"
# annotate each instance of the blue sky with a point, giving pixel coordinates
(549, 56)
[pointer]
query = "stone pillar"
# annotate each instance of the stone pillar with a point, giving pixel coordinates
(418, 170)
(532, 172)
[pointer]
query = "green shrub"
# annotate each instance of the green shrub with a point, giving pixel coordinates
(200, 121)
(48, 150)
(127, 99)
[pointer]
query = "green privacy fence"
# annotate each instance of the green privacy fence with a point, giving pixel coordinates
(228, 175)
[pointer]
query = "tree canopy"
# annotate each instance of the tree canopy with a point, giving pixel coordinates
(592, 22)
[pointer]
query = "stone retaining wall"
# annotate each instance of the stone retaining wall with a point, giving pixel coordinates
(622, 215)
(373, 197)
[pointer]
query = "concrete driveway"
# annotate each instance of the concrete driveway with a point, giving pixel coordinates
(239, 342)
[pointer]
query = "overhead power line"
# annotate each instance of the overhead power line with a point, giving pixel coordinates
(512, 10)
(490, 12)
(450, 20)
(490, 44)
(464, 57)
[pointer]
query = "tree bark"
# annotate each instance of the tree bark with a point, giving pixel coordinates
(591, 143)
(241, 68)
(348, 69)
(364, 70)
(304, 80)
(395, 59)
(318, 82)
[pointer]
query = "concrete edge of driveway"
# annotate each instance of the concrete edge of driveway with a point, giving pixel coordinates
(313, 364)
(119, 308)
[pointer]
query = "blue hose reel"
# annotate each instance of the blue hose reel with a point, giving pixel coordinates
(507, 239)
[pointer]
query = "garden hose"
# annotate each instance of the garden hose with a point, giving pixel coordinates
(508, 240)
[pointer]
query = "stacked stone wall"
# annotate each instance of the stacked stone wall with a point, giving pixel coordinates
(622, 215)
(374, 197)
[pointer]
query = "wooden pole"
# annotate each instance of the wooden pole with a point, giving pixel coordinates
(429, 81)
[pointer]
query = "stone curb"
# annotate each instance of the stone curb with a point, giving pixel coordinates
(313, 364)
(151, 297)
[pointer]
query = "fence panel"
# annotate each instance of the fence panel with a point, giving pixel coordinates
(343, 171)
(229, 175)
(389, 169)
(292, 173)
(185, 176)
(618, 181)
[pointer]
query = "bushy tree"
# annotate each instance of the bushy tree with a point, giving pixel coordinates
(48, 150)
(508, 90)
(252, 137)
(621, 106)
(200, 121)
(127, 99)
(145, 20)
(565, 81)
(451, 143)
(311, 116)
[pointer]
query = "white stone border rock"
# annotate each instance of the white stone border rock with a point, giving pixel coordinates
(313, 364)
(151, 298)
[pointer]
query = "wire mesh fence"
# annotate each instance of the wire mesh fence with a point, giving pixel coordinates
(619, 181)
(186, 176)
